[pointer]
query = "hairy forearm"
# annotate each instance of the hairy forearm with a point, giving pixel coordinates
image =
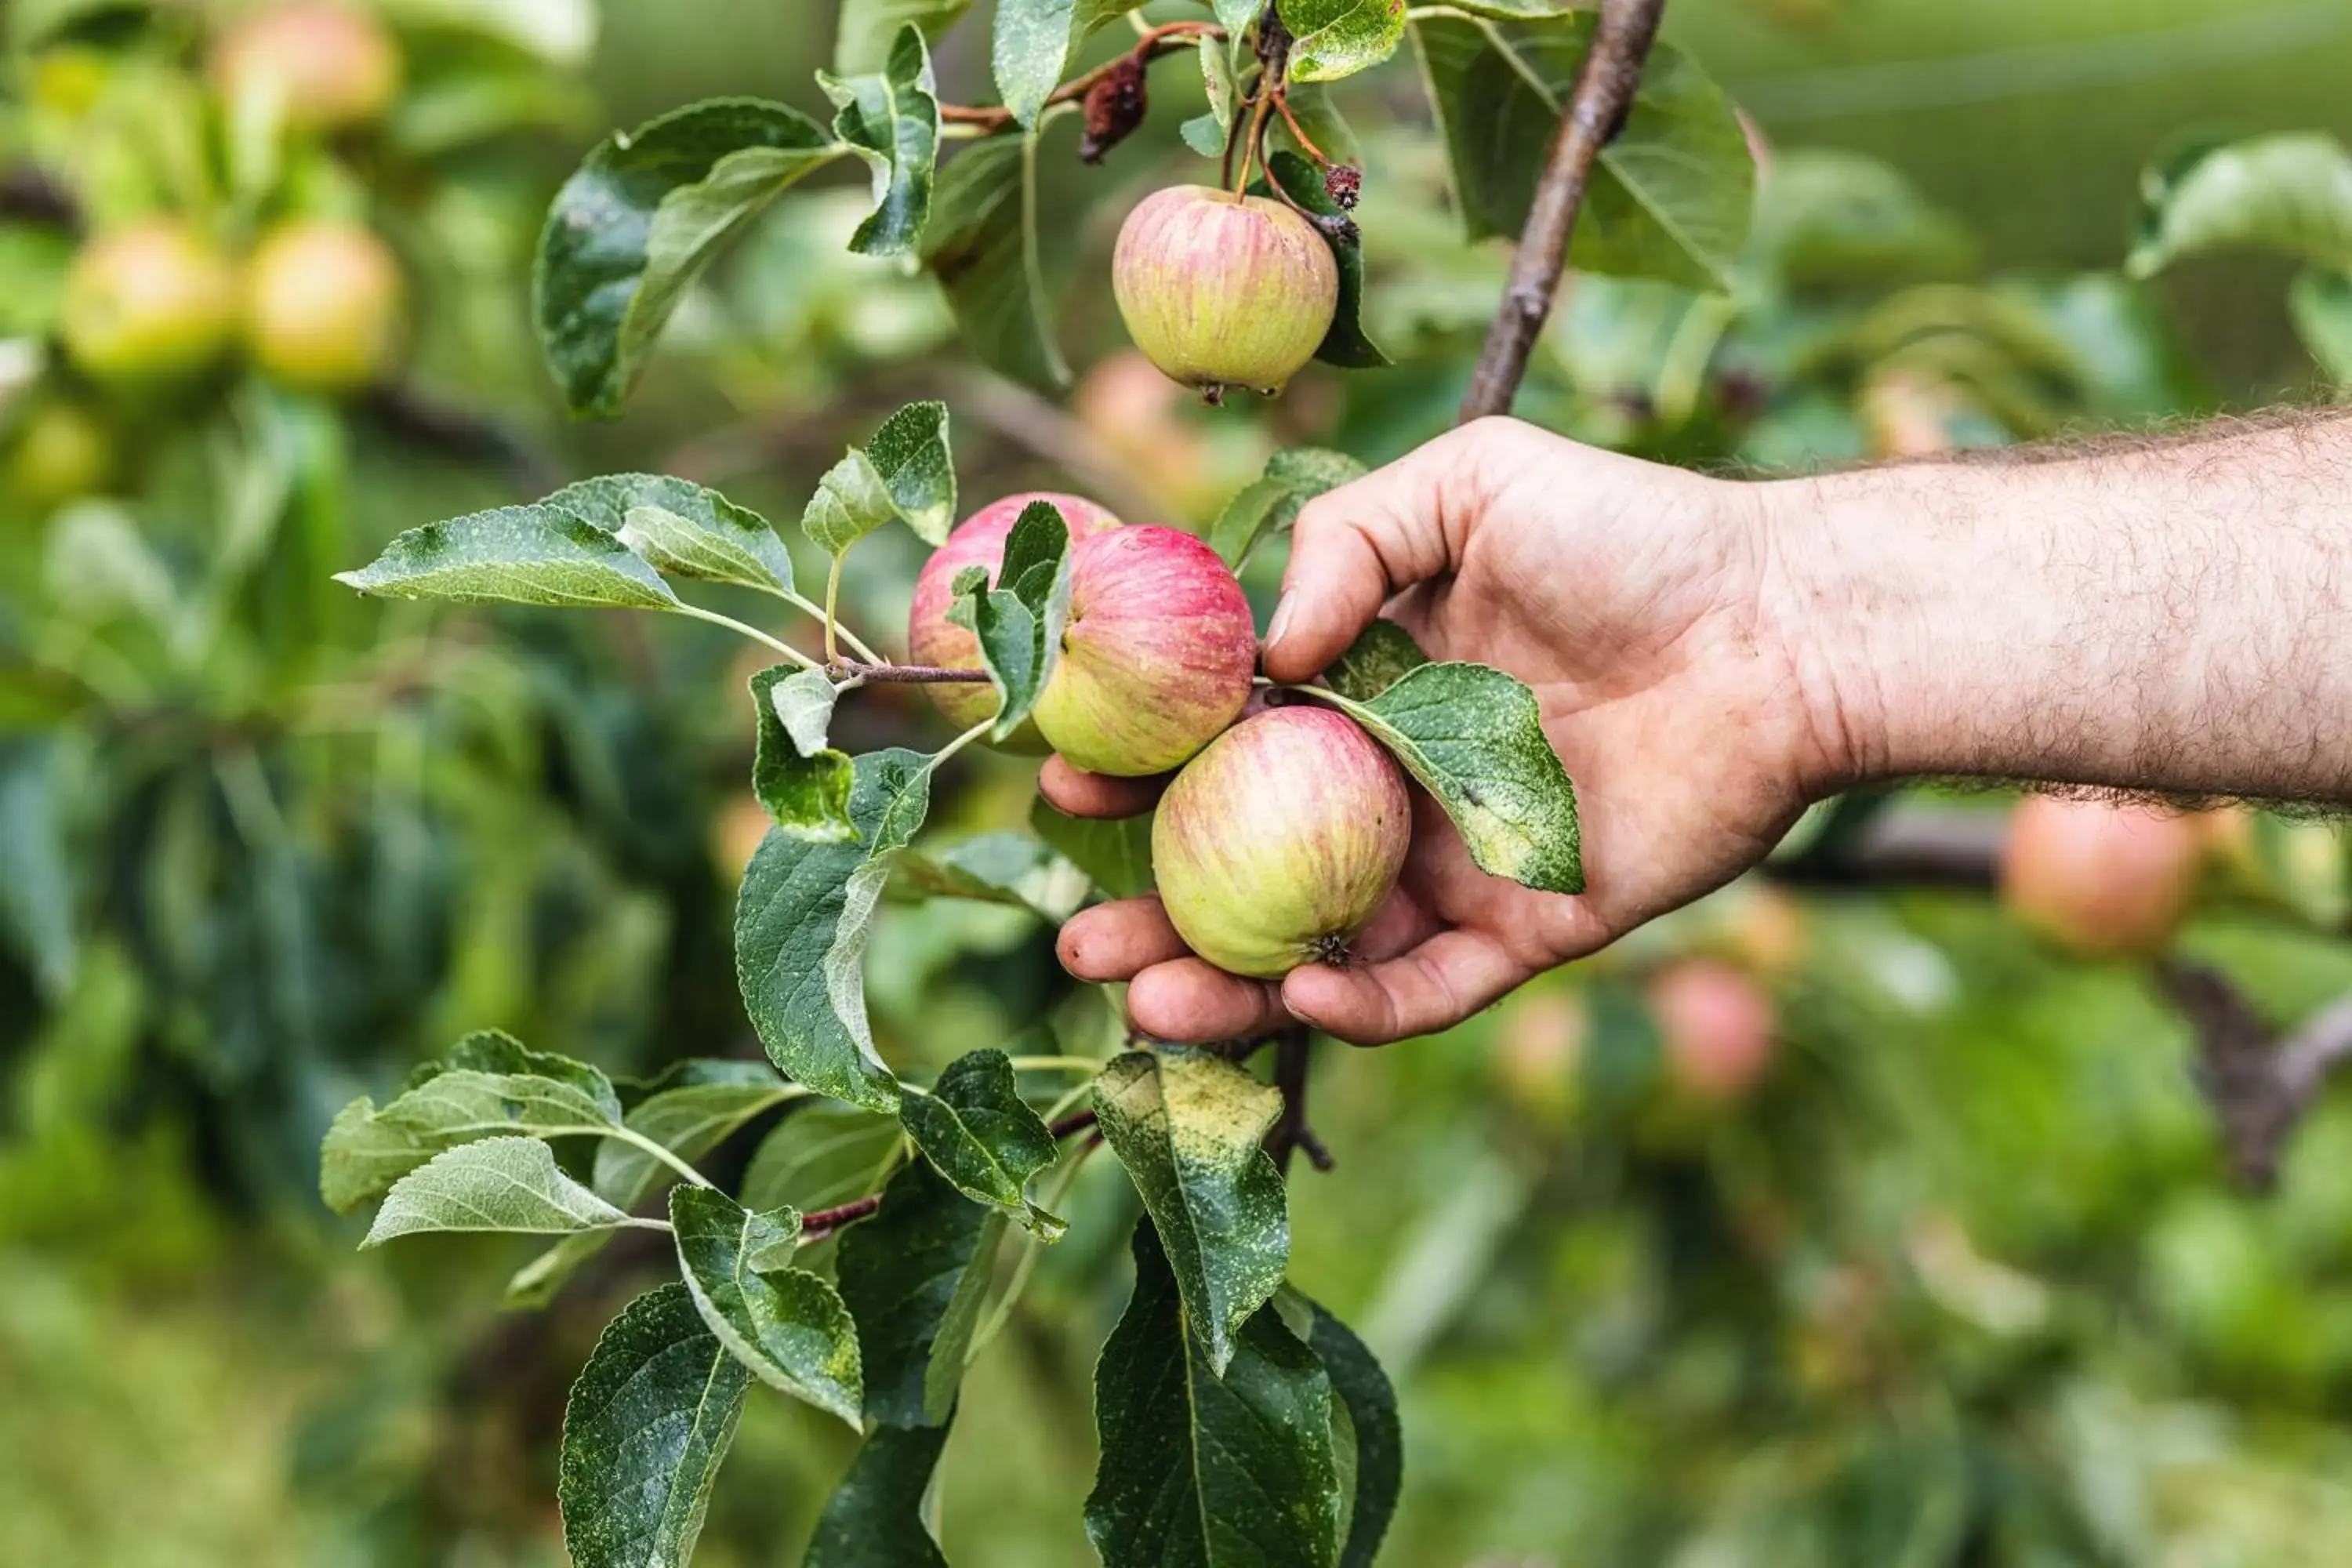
(2164, 616)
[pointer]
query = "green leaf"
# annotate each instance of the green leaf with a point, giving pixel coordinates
(820, 1154)
(1114, 854)
(801, 925)
(641, 218)
(805, 788)
(1473, 738)
(648, 1422)
(1019, 622)
(1671, 194)
(2321, 303)
(851, 501)
(1268, 508)
(1010, 869)
(906, 471)
(689, 532)
(869, 27)
(981, 246)
(1830, 218)
(537, 554)
(786, 1324)
(914, 1276)
(1357, 1378)
(1335, 38)
(1033, 45)
(892, 119)
(1382, 654)
(874, 1516)
(1203, 1469)
(910, 452)
(1237, 15)
(36, 903)
(696, 1112)
(493, 1185)
(802, 703)
(1345, 344)
(1188, 1126)
(490, 1086)
(2290, 192)
(977, 1132)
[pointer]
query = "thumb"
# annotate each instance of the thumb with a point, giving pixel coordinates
(1357, 546)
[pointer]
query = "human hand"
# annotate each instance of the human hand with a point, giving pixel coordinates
(1646, 607)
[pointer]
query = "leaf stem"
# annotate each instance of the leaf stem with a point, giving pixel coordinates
(816, 612)
(832, 603)
(1298, 131)
(754, 633)
(639, 1140)
(1029, 1256)
(961, 741)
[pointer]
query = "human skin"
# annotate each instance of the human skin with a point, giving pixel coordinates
(1279, 841)
(1712, 656)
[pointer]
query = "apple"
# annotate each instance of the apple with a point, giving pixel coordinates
(1221, 291)
(933, 639)
(2103, 878)
(321, 306)
(147, 304)
(59, 451)
(329, 68)
(1276, 845)
(1157, 657)
(1715, 1023)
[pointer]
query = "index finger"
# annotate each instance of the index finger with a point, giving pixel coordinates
(1074, 792)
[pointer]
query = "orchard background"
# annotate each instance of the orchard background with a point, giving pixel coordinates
(1961, 1190)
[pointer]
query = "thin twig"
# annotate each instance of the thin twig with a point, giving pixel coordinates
(1166, 39)
(1076, 1121)
(1292, 1053)
(825, 1221)
(2261, 1085)
(904, 674)
(1597, 106)
(1298, 131)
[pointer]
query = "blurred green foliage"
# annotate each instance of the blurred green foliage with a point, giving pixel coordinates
(1962, 1282)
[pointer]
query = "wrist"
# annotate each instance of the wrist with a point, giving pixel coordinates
(1905, 602)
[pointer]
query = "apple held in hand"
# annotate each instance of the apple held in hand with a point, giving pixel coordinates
(2098, 878)
(1157, 657)
(321, 306)
(1276, 845)
(933, 639)
(147, 304)
(1222, 290)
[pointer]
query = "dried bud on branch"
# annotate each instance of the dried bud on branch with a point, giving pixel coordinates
(1116, 107)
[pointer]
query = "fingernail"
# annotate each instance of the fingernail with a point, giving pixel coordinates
(1281, 622)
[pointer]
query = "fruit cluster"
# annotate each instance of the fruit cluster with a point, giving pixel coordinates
(154, 305)
(1285, 827)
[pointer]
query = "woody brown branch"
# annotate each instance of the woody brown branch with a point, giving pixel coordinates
(1597, 106)
(1167, 39)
